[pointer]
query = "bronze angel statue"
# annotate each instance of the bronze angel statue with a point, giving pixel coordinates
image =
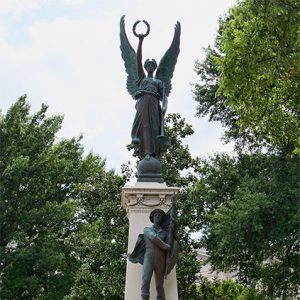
(149, 91)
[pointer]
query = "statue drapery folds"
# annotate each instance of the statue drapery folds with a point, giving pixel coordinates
(149, 91)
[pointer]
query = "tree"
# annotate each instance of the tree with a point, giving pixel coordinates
(226, 289)
(252, 75)
(37, 204)
(52, 196)
(100, 241)
(248, 205)
(178, 170)
(250, 217)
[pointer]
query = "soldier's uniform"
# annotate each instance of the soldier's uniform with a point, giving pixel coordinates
(154, 260)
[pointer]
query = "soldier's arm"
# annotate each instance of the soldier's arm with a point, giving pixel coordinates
(154, 238)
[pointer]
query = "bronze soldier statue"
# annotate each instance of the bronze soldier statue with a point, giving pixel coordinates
(157, 250)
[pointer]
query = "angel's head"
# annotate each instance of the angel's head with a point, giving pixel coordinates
(150, 65)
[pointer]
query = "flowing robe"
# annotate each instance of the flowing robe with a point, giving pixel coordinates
(147, 122)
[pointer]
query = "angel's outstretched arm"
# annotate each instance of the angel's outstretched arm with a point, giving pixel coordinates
(140, 69)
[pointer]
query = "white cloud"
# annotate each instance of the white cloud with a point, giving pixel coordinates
(74, 65)
(18, 6)
(2, 30)
(75, 2)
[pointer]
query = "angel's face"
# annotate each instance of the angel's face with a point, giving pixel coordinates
(150, 67)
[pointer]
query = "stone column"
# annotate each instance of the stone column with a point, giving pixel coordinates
(139, 200)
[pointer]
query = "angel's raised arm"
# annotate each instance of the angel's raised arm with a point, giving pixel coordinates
(139, 57)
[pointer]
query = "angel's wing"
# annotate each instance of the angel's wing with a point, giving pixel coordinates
(167, 63)
(129, 56)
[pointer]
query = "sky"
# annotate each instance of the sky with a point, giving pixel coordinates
(66, 53)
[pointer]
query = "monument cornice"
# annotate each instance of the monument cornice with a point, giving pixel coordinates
(145, 197)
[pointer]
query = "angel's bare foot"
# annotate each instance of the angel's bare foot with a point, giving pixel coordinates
(147, 157)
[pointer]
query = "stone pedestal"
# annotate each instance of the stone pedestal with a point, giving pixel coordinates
(139, 200)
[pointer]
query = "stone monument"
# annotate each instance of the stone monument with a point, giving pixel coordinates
(150, 200)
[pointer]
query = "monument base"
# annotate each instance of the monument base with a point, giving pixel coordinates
(139, 200)
(149, 170)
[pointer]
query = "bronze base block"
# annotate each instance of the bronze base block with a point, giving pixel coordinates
(149, 170)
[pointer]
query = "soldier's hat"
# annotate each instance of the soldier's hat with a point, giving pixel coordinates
(157, 210)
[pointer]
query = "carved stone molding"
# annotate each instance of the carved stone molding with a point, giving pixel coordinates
(143, 197)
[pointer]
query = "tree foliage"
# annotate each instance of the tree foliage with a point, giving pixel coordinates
(37, 204)
(249, 207)
(100, 241)
(62, 228)
(178, 170)
(225, 290)
(251, 78)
